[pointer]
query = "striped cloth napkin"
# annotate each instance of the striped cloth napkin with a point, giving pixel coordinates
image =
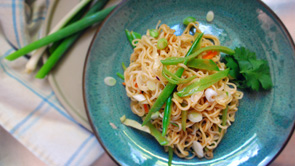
(29, 109)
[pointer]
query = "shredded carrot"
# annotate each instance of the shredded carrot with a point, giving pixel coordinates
(136, 86)
(146, 109)
(210, 54)
(124, 83)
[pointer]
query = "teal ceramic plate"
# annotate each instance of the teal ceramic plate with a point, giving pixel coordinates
(264, 121)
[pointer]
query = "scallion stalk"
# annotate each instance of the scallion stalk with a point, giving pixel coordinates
(120, 75)
(170, 153)
(135, 35)
(60, 34)
(155, 133)
(202, 83)
(183, 120)
(224, 116)
(123, 66)
(65, 44)
(167, 115)
(129, 37)
(32, 63)
(176, 60)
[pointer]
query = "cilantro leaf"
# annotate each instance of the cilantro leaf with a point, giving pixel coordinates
(247, 71)
(234, 67)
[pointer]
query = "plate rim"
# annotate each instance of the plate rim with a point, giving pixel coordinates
(60, 95)
(272, 13)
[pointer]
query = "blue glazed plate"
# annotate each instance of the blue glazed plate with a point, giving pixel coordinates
(264, 121)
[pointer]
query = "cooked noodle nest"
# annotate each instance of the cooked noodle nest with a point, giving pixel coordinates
(146, 68)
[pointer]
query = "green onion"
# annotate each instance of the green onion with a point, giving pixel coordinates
(76, 12)
(205, 64)
(199, 44)
(66, 44)
(135, 35)
(176, 60)
(170, 152)
(167, 115)
(174, 78)
(162, 43)
(54, 46)
(65, 32)
(134, 124)
(203, 83)
(174, 124)
(110, 81)
(129, 37)
(155, 133)
(169, 88)
(224, 116)
(154, 33)
(183, 119)
(120, 75)
(123, 66)
(188, 20)
(210, 16)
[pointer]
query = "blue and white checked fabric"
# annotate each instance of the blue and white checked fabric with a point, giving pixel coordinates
(29, 110)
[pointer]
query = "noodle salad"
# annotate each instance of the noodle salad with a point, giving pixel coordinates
(185, 94)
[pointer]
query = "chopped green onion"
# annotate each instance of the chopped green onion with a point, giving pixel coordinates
(110, 81)
(176, 60)
(169, 88)
(129, 37)
(174, 78)
(123, 66)
(154, 33)
(194, 116)
(162, 43)
(167, 115)
(174, 124)
(199, 44)
(154, 132)
(183, 119)
(134, 124)
(203, 83)
(205, 64)
(170, 152)
(188, 20)
(210, 16)
(224, 116)
(120, 75)
(135, 35)
(155, 115)
(151, 85)
(62, 33)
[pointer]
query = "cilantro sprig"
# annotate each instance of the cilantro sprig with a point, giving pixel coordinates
(247, 71)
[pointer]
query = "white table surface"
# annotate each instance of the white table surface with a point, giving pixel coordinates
(12, 153)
